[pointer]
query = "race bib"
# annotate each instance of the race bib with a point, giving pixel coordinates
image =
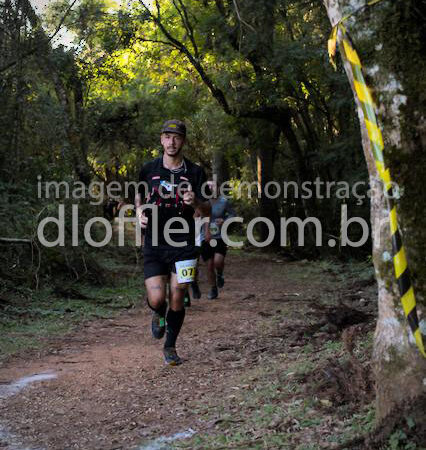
(185, 270)
(214, 229)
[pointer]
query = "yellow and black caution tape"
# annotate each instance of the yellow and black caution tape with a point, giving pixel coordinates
(402, 272)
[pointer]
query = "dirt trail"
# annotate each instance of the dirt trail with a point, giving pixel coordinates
(112, 388)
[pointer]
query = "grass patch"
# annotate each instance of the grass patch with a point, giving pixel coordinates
(31, 320)
(274, 408)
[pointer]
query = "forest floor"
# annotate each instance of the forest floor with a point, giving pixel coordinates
(279, 360)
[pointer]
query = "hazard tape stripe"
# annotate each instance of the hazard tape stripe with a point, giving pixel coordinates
(402, 273)
(412, 319)
(404, 282)
(409, 302)
(400, 261)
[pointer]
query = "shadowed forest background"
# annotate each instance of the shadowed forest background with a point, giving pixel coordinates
(260, 99)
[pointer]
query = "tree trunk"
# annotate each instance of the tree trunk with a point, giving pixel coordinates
(266, 142)
(304, 172)
(395, 76)
(220, 165)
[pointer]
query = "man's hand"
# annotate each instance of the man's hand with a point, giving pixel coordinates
(189, 198)
(142, 219)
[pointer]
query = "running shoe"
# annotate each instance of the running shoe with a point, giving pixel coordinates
(187, 300)
(158, 325)
(196, 293)
(220, 280)
(213, 293)
(171, 357)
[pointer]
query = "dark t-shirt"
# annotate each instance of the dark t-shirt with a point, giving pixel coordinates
(160, 186)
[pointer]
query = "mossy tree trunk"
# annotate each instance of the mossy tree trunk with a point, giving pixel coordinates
(390, 39)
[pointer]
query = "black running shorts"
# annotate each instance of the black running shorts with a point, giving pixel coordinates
(207, 251)
(161, 260)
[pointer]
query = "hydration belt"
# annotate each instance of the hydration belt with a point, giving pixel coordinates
(168, 201)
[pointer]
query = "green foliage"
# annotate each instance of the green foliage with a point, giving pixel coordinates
(397, 441)
(93, 110)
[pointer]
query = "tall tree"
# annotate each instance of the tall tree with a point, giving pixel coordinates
(393, 69)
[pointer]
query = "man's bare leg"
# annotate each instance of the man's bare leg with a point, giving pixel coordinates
(211, 272)
(177, 293)
(219, 265)
(211, 275)
(156, 288)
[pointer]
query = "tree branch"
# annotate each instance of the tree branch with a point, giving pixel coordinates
(15, 241)
(157, 41)
(46, 40)
(216, 92)
(239, 16)
(273, 114)
(188, 26)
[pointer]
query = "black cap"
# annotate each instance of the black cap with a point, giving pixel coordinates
(174, 126)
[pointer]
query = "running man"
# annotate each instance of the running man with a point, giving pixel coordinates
(213, 249)
(174, 185)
